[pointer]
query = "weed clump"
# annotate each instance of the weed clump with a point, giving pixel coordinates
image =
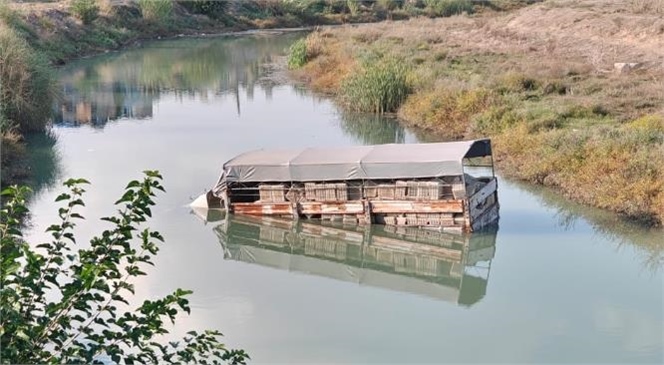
(304, 50)
(377, 87)
(297, 56)
(448, 7)
(156, 10)
(214, 9)
(85, 10)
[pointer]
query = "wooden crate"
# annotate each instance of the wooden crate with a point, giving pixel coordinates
(402, 188)
(326, 192)
(458, 190)
(429, 190)
(418, 190)
(385, 191)
(272, 193)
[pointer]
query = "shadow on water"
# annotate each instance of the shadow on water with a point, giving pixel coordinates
(127, 84)
(648, 242)
(444, 266)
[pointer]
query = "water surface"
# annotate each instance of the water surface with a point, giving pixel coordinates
(556, 283)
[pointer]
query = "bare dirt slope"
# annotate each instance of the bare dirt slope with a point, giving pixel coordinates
(600, 33)
(603, 32)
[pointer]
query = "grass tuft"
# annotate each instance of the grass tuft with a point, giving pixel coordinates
(156, 10)
(85, 10)
(448, 7)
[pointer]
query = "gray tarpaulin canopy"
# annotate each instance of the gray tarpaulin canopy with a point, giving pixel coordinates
(388, 161)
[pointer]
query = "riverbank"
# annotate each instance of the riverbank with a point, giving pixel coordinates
(36, 36)
(570, 91)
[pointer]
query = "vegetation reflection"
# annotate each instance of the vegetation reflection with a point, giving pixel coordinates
(647, 242)
(127, 85)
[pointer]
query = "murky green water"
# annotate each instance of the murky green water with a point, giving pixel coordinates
(557, 282)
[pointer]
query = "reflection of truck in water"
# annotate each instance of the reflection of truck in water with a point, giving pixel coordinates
(451, 267)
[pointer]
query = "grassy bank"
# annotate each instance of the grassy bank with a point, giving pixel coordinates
(570, 91)
(37, 35)
(26, 93)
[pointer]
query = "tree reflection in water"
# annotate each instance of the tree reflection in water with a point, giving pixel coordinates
(127, 84)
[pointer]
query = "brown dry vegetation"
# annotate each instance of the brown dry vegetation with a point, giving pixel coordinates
(541, 81)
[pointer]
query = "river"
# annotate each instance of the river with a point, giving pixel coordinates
(556, 283)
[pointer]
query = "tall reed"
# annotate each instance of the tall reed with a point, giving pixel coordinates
(379, 87)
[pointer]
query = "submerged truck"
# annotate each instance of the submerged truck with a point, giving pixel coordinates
(419, 185)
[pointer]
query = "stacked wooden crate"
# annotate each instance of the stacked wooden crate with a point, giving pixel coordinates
(272, 193)
(326, 192)
(419, 190)
(409, 190)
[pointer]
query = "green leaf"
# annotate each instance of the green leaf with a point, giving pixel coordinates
(76, 216)
(63, 196)
(133, 184)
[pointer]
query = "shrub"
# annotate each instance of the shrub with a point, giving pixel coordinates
(495, 120)
(517, 82)
(27, 87)
(378, 87)
(85, 10)
(353, 6)
(652, 123)
(156, 10)
(390, 4)
(448, 7)
(212, 8)
(63, 304)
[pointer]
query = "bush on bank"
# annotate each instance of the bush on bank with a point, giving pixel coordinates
(64, 304)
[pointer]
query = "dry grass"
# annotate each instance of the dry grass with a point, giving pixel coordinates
(648, 6)
(541, 82)
(331, 64)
